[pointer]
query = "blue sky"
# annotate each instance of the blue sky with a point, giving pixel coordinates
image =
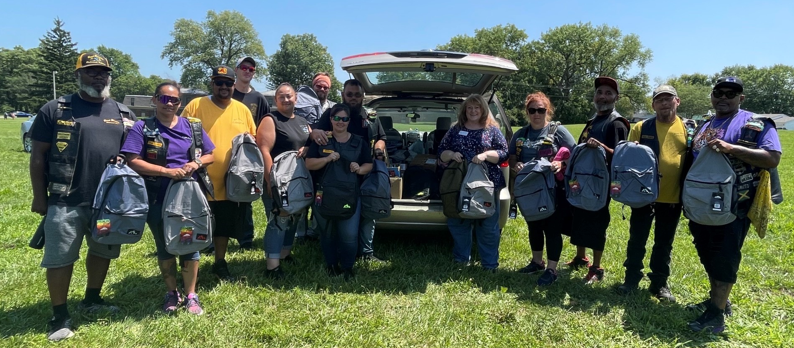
(685, 36)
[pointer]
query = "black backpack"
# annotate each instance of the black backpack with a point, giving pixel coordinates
(451, 180)
(338, 190)
(376, 193)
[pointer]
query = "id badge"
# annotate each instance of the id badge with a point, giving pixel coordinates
(717, 201)
(466, 201)
(463, 133)
(513, 211)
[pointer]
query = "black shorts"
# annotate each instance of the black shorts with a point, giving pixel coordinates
(589, 228)
(720, 248)
(230, 218)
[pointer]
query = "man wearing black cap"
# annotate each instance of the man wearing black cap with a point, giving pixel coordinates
(750, 145)
(223, 118)
(604, 130)
(256, 102)
(73, 137)
(666, 134)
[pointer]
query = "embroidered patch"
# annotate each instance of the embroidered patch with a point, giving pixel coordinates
(61, 146)
(63, 136)
(111, 122)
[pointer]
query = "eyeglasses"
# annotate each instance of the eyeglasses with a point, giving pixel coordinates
(97, 72)
(663, 99)
(718, 93)
(165, 99)
(351, 95)
(248, 69)
(532, 111)
(341, 118)
(227, 83)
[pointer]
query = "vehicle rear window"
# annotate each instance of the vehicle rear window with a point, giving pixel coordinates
(463, 79)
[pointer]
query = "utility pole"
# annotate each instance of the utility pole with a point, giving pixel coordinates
(54, 95)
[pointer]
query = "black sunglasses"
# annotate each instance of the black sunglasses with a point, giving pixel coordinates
(538, 110)
(227, 83)
(97, 72)
(165, 99)
(718, 93)
(341, 118)
(351, 95)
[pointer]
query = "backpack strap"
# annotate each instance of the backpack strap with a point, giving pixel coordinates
(197, 135)
(750, 136)
(648, 135)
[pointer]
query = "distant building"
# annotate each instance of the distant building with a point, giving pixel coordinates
(143, 107)
(782, 121)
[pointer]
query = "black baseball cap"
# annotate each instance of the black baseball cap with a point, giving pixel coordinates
(606, 80)
(730, 82)
(88, 59)
(223, 71)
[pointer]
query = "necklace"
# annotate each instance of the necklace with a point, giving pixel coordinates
(712, 124)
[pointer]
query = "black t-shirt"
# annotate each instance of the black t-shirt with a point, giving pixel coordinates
(362, 155)
(255, 102)
(291, 133)
(358, 126)
(100, 138)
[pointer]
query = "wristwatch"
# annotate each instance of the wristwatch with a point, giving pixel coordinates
(198, 161)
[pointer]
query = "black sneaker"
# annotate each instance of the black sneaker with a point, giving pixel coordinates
(533, 267)
(547, 278)
(348, 274)
(713, 320)
(626, 288)
(702, 306)
(333, 271)
(289, 260)
(60, 329)
(276, 273)
(97, 307)
(371, 258)
(221, 270)
(662, 293)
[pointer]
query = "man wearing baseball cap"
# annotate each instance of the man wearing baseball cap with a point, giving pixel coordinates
(666, 134)
(223, 118)
(605, 130)
(751, 145)
(73, 137)
(256, 102)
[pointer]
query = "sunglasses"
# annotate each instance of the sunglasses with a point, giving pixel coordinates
(165, 99)
(532, 111)
(226, 83)
(248, 68)
(351, 95)
(341, 118)
(717, 93)
(96, 72)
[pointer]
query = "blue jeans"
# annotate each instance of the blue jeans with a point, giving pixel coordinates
(338, 239)
(280, 231)
(155, 222)
(366, 233)
(488, 235)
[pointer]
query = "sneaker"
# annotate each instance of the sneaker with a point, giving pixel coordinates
(172, 301)
(60, 329)
(192, 304)
(333, 271)
(703, 306)
(97, 307)
(533, 267)
(276, 273)
(626, 288)
(662, 293)
(371, 258)
(348, 274)
(490, 270)
(289, 260)
(547, 278)
(713, 320)
(578, 262)
(594, 275)
(221, 270)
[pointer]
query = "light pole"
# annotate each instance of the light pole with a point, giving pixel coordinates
(54, 95)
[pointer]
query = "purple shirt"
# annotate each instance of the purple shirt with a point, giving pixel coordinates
(730, 129)
(471, 143)
(179, 142)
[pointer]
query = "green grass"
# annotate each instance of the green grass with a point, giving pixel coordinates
(416, 299)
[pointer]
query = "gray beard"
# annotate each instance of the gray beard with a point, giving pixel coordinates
(88, 89)
(605, 107)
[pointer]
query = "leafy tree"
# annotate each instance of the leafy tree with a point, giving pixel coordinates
(58, 53)
(768, 90)
(18, 70)
(220, 39)
(693, 90)
(127, 79)
(300, 57)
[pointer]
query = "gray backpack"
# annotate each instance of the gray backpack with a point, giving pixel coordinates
(376, 193)
(291, 183)
(246, 175)
(709, 197)
(120, 205)
(534, 190)
(188, 222)
(635, 175)
(476, 200)
(587, 178)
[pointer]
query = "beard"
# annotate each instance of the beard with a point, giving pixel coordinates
(91, 91)
(604, 107)
(354, 110)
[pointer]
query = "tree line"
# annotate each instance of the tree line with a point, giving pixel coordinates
(562, 63)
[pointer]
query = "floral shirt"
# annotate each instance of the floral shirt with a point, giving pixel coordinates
(471, 143)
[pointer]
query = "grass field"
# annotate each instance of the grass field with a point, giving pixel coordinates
(417, 299)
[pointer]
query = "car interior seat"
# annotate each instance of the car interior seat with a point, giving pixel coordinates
(434, 138)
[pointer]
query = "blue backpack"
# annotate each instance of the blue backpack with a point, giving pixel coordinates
(120, 205)
(534, 190)
(587, 178)
(635, 175)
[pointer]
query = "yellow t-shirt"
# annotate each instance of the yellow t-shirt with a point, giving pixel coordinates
(672, 149)
(221, 125)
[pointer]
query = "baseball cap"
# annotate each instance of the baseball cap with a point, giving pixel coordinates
(87, 59)
(664, 89)
(730, 82)
(246, 59)
(223, 71)
(606, 80)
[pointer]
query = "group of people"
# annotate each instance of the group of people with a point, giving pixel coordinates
(76, 134)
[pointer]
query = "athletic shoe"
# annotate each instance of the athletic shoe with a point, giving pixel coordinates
(333, 271)
(578, 262)
(703, 306)
(276, 273)
(348, 274)
(662, 293)
(594, 275)
(97, 307)
(172, 301)
(547, 278)
(60, 329)
(713, 320)
(193, 305)
(533, 267)
(627, 288)
(221, 270)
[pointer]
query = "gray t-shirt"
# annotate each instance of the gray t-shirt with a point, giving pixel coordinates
(526, 142)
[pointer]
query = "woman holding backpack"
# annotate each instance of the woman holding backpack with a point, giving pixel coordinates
(476, 137)
(543, 139)
(144, 156)
(339, 167)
